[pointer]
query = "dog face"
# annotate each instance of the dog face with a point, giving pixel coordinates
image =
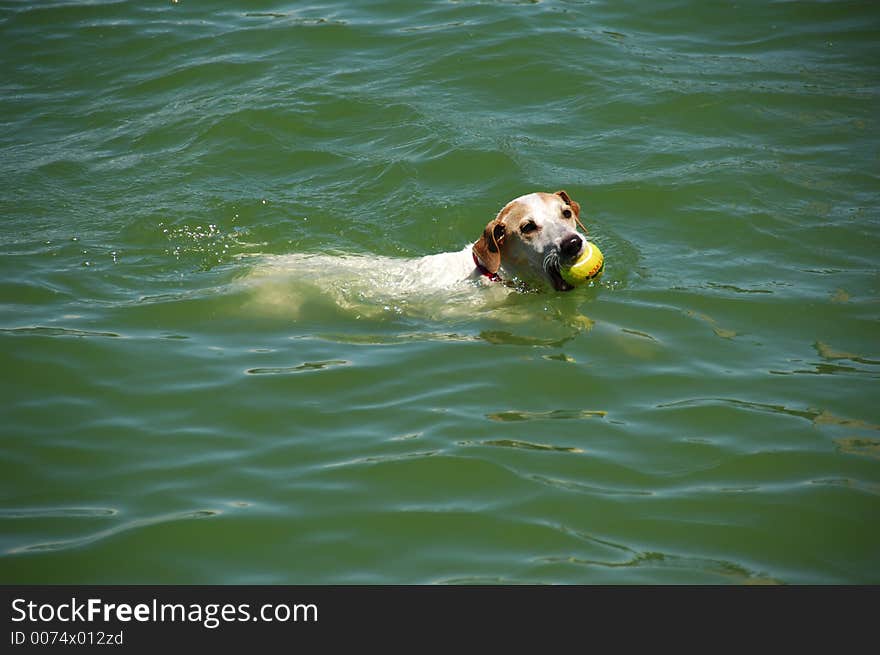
(533, 236)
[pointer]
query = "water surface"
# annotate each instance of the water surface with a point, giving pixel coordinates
(706, 414)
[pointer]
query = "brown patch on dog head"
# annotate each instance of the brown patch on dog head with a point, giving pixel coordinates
(575, 206)
(571, 203)
(488, 248)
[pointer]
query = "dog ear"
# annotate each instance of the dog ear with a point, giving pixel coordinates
(488, 248)
(571, 203)
(575, 206)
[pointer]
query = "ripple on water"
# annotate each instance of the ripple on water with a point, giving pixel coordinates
(57, 512)
(41, 331)
(300, 368)
(526, 445)
(551, 414)
(126, 526)
(859, 446)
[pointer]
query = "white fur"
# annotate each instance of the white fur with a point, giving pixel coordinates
(442, 285)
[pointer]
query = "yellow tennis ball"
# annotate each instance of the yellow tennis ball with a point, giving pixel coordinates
(589, 266)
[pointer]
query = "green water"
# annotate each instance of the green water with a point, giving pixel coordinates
(707, 414)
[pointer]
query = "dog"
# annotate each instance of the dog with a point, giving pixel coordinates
(522, 248)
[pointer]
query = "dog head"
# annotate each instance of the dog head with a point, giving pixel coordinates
(533, 236)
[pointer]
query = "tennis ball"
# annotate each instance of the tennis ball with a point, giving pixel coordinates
(589, 266)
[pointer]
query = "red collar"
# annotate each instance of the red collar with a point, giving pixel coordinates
(493, 277)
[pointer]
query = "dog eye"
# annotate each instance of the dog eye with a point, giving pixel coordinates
(527, 227)
(566, 213)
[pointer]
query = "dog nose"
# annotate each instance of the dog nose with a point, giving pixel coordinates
(571, 246)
